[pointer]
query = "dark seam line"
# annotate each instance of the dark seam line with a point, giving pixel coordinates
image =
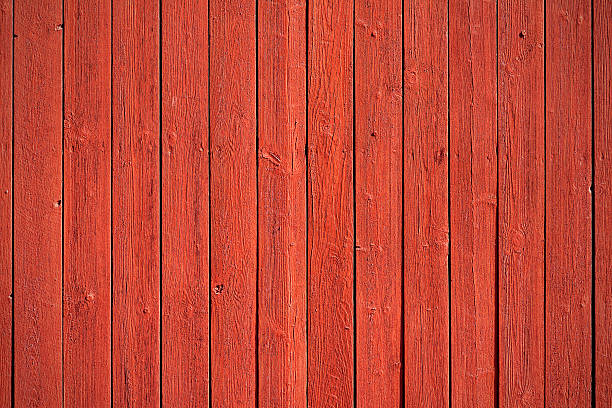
(593, 248)
(257, 203)
(497, 311)
(13, 209)
(112, 239)
(448, 196)
(403, 239)
(209, 213)
(545, 204)
(63, 201)
(306, 28)
(354, 232)
(160, 152)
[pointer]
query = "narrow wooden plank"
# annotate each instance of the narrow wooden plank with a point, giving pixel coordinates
(38, 203)
(282, 203)
(6, 200)
(330, 204)
(426, 228)
(378, 201)
(185, 203)
(87, 203)
(568, 203)
(473, 200)
(233, 195)
(521, 202)
(602, 106)
(135, 206)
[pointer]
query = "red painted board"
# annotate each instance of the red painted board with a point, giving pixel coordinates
(378, 202)
(135, 204)
(602, 189)
(473, 201)
(6, 200)
(233, 203)
(568, 203)
(87, 203)
(426, 224)
(521, 202)
(38, 203)
(185, 222)
(330, 204)
(282, 203)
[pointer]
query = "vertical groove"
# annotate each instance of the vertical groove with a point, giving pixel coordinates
(13, 211)
(448, 208)
(161, 237)
(496, 354)
(545, 206)
(306, 25)
(112, 240)
(354, 233)
(403, 277)
(257, 203)
(209, 215)
(593, 249)
(62, 199)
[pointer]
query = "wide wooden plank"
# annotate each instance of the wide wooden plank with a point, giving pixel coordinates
(602, 106)
(330, 204)
(233, 197)
(38, 203)
(185, 249)
(521, 202)
(282, 203)
(135, 206)
(6, 200)
(426, 227)
(87, 203)
(473, 201)
(378, 202)
(568, 203)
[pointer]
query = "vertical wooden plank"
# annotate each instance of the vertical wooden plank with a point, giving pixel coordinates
(426, 292)
(6, 200)
(135, 189)
(568, 203)
(521, 202)
(233, 217)
(38, 203)
(185, 203)
(473, 200)
(602, 106)
(378, 201)
(282, 203)
(87, 203)
(330, 204)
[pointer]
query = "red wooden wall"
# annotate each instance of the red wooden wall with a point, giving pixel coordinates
(291, 203)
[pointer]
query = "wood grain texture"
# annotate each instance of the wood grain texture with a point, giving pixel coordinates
(233, 217)
(87, 203)
(426, 228)
(473, 201)
(602, 106)
(378, 202)
(282, 203)
(38, 203)
(568, 203)
(185, 221)
(135, 189)
(330, 204)
(521, 202)
(6, 200)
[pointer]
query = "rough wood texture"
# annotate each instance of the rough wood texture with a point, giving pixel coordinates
(568, 203)
(473, 200)
(185, 222)
(6, 200)
(602, 106)
(521, 202)
(136, 222)
(38, 203)
(282, 203)
(378, 202)
(233, 217)
(426, 228)
(87, 203)
(330, 204)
